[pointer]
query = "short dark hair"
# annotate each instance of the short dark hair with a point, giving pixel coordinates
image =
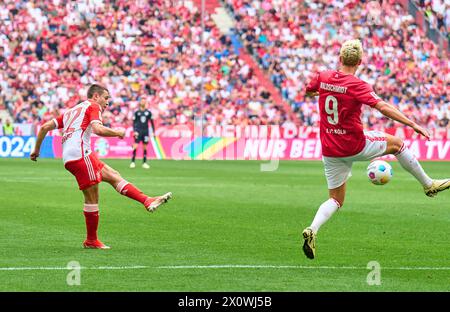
(95, 88)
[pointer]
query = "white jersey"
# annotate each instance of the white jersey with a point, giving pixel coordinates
(76, 124)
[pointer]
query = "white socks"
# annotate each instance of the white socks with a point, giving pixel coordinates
(324, 213)
(410, 164)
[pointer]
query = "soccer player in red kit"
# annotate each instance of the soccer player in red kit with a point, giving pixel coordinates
(78, 123)
(341, 96)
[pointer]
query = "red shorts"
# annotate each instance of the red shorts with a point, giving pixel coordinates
(86, 170)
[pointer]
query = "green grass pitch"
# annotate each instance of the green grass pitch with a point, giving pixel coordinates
(229, 227)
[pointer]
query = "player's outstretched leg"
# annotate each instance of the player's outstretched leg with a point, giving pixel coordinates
(127, 189)
(326, 210)
(409, 162)
(91, 216)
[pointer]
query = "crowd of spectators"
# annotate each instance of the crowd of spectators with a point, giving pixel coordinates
(51, 50)
(438, 14)
(294, 39)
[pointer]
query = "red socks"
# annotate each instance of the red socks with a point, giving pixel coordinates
(91, 216)
(127, 189)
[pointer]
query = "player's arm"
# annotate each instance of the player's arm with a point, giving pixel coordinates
(103, 131)
(95, 118)
(48, 126)
(393, 113)
(312, 89)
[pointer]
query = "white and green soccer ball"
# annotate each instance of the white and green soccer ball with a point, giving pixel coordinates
(379, 172)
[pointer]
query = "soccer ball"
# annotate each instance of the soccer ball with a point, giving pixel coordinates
(379, 172)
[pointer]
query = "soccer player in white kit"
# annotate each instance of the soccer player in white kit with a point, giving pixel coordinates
(78, 123)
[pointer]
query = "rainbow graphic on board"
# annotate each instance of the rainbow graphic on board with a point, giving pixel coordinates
(206, 148)
(157, 147)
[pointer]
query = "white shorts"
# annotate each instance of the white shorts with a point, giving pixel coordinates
(339, 169)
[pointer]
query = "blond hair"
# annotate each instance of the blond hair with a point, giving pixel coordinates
(351, 52)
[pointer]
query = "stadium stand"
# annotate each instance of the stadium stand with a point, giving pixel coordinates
(136, 49)
(49, 50)
(438, 13)
(293, 39)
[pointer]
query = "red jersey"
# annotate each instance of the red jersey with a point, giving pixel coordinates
(340, 99)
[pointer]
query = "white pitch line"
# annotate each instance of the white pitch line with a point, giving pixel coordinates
(135, 267)
(303, 267)
(32, 268)
(223, 266)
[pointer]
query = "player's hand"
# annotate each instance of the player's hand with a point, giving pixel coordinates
(136, 134)
(120, 134)
(34, 156)
(422, 131)
(315, 93)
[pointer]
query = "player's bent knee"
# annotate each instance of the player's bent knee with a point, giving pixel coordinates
(398, 144)
(114, 172)
(109, 174)
(394, 145)
(116, 175)
(112, 177)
